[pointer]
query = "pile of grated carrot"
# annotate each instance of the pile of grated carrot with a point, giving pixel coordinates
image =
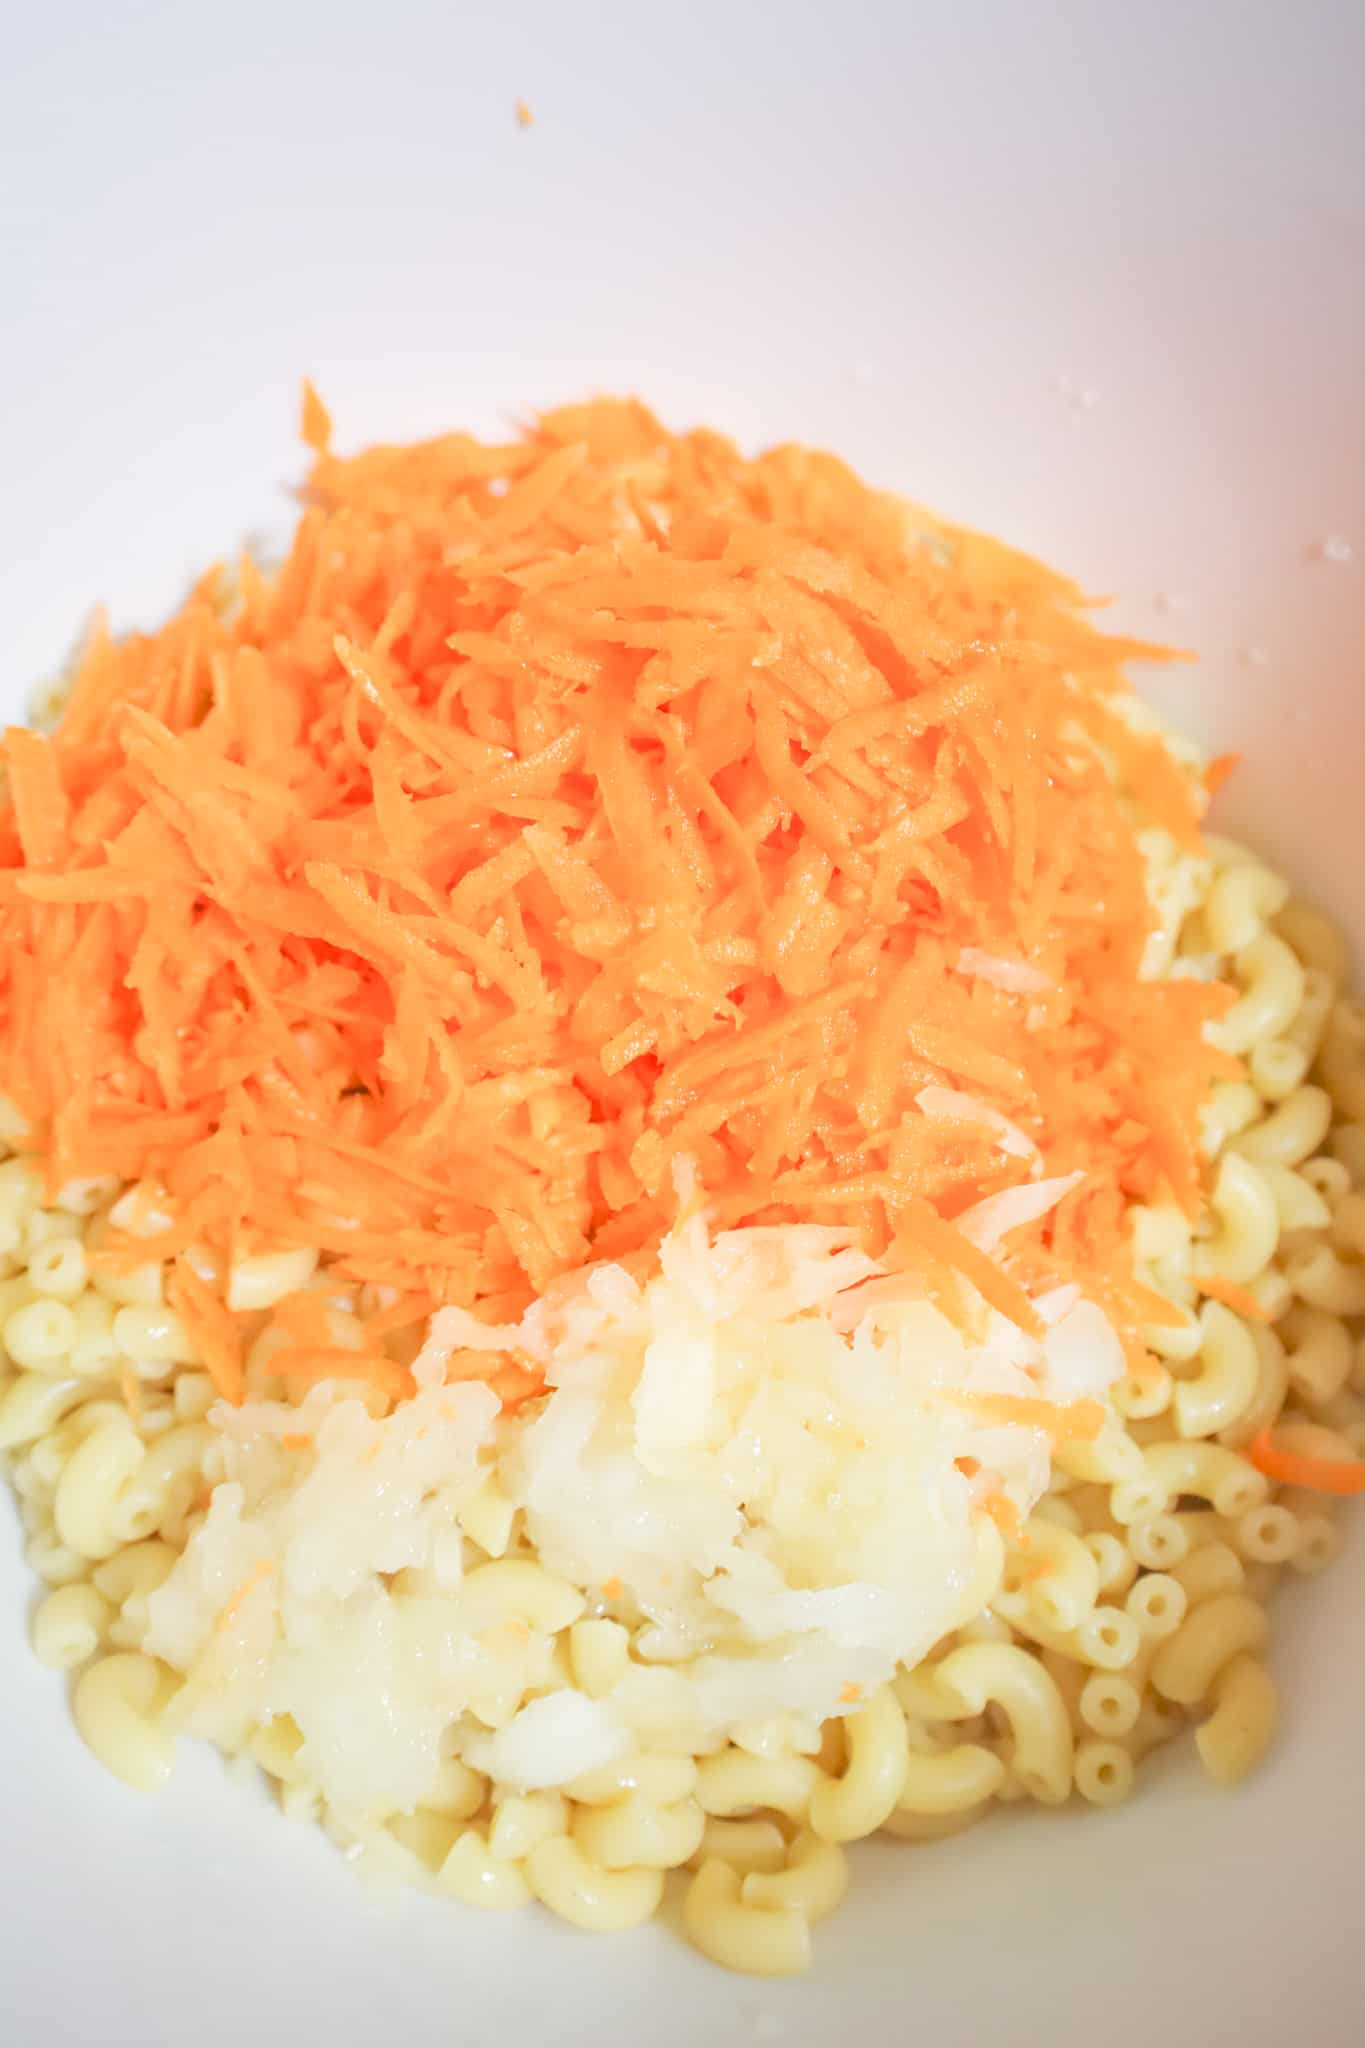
(565, 806)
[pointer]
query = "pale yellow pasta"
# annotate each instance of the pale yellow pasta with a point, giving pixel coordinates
(658, 1776)
(1211, 1471)
(949, 1780)
(456, 1791)
(1272, 1384)
(1348, 1225)
(1242, 1725)
(487, 1518)
(935, 1827)
(1318, 1546)
(427, 1837)
(39, 1336)
(1140, 1397)
(69, 1625)
(999, 1673)
(1272, 993)
(1341, 1058)
(760, 1941)
(599, 1901)
(1108, 1637)
(58, 1269)
(88, 1491)
(517, 1589)
(598, 1655)
(638, 1833)
(1300, 1205)
(1319, 1352)
(1104, 1772)
(1158, 1543)
(1063, 1575)
(51, 1559)
(1157, 1605)
(814, 1881)
(153, 1336)
(472, 1874)
(1330, 1177)
(1321, 1277)
(275, 1747)
(1109, 1703)
(1317, 939)
(745, 1845)
(521, 1821)
(1267, 1535)
(1231, 1108)
(1347, 1143)
(1247, 1224)
(1242, 900)
(1225, 1384)
(856, 1804)
(732, 1782)
(117, 1704)
(1115, 1560)
(1208, 1572)
(1111, 1457)
(192, 1396)
(259, 1281)
(1212, 1634)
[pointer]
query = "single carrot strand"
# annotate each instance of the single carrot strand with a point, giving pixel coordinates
(1295, 1468)
(1240, 1300)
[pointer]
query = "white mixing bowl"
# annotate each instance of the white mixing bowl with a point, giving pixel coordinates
(1091, 275)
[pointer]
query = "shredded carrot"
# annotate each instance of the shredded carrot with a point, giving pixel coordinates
(1218, 771)
(1240, 1300)
(1001, 1510)
(296, 1440)
(525, 118)
(612, 1589)
(565, 806)
(1296, 1468)
(1069, 1423)
(850, 1692)
(264, 1570)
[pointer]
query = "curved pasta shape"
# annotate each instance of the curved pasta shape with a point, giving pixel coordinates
(116, 1704)
(845, 1809)
(654, 1774)
(1272, 993)
(599, 1901)
(746, 1845)
(1291, 1133)
(1242, 1725)
(758, 1940)
(1104, 1773)
(1215, 1632)
(1321, 1277)
(813, 1883)
(1225, 1385)
(732, 1783)
(516, 1589)
(69, 1625)
(523, 1821)
(1272, 1384)
(950, 1781)
(981, 1673)
(476, 1877)
(598, 1655)
(1212, 1471)
(1241, 901)
(88, 1491)
(1248, 1224)
(1341, 1059)
(1318, 1350)
(1064, 1576)
(638, 1833)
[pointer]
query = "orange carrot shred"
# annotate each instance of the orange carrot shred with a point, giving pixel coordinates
(1295, 1468)
(1220, 768)
(1240, 1300)
(566, 805)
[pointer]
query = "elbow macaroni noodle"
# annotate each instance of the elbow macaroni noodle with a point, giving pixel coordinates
(1128, 1606)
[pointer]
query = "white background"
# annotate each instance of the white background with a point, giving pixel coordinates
(1090, 274)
